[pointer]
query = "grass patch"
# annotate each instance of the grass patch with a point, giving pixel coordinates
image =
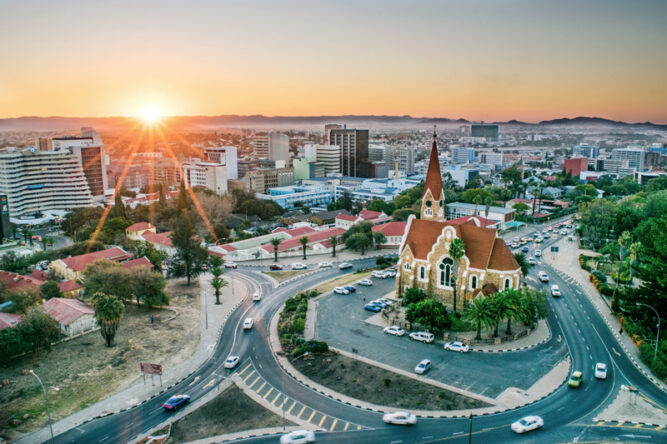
(281, 276)
(343, 280)
(378, 386)
(231, 411)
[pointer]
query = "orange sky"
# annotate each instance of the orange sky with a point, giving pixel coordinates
(483, 60)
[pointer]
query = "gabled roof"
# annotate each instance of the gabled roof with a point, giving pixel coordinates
(139, 226)
(391, 228)
(368, 214)
(299, 231)
(65, 311)
(483, 222)
(67, 286)
(501, 257)
(39, 275)
(13, 281)
(79, 263)
(348, 217)
(433, 178)
(314, 237)
(140, 262)
(158, 238)
(9, 320)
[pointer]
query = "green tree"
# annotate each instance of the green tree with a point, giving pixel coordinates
(109, 312)
(275, 242)
(512, 299)
(118, 207)
(502, 308)
(523, 263)
(429, 313)
(521, 208)
(532, 306)
(184, 201)
(457, 250)
(334, 241)
(23, 299)
(148, 250)
(147, 286)
(476, 196)
(190, 256)
(104, 276)
(413, 295)
(480, 314)
(597, 220)
(379, 239)
(50, 289)
(304, 244)
(358, 241)
(217, 282)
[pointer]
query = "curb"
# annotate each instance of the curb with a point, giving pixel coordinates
(527, 347)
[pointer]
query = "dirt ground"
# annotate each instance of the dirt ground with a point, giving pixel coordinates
(281, 276)
(381, 387)
(343, 280)
(82, 371)
(229, 412)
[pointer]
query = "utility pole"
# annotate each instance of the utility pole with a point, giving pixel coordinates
(46, 400)
(657, 336)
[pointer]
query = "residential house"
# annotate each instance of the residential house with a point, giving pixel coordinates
(73, 316)
(9, 320)
(72, 267)
(393, 233)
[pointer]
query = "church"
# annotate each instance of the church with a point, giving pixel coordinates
(488, 265)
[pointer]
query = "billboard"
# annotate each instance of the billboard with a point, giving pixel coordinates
(151, 369)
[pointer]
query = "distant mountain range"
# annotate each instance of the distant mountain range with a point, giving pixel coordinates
(30, 123)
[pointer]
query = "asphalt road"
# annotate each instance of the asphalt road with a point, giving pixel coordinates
(567, 412)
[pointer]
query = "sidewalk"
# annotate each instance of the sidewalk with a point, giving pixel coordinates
(138, 392)
(341, 256)
(566, 262)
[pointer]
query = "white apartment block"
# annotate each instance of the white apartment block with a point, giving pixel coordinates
(36, 181)
(273, 146)
(224, 155)
(212, 176)
(327, 155)
(463, 155)
(387, 154)
(490, 158)
(634, 156)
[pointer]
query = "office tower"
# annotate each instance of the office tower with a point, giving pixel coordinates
(377, 153)
(224, 155)
(463, 155)
(327, 155)
(584, 150)
(35, 181)
(5, 225)
(354, 151)
(488, 131)
(575, 166)
(209, 175)
(272, 146)
(490, 158)
(634, 156)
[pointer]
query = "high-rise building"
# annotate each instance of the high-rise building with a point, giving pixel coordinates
(584, 150)
(90, 150)
(354, 151)
(488, 131)
(5, 225)
(209, 175)
(224, 155)
(490, 158)
(35, 181)
(634, 156)
(463, 155)
(272, 146)
(327, 155)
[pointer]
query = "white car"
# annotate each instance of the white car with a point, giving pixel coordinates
(231, 265)
(379, 274)
(231, 362)
(365, 282)
(423, 366)
(543, 276)
(532, 261)
(527, 423)
(345, 266)
(555, 291)
(422, 336)
(298, 266)
(256, 297)
(538, 253)
(298, 437)
(457, 347)
(341, 290)
(403, 418)
(563, 232)
(325, 265)
(248, 323)
(601, 370)
(390, 272)
(394, 330)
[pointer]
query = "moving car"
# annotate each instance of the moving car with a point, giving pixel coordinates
(345, 266)
(555, 291)
(390, 272)
(422, 336)
(248, 323)
(325, 264)
(527, 423)
(298, 266)
(298, 437)
(394, 330)
(380, 274)
(532, 261)
(176, 402)
(543, 276)
(423, 366)
(403, 418)
(601, 370)
(231, 362)
(372, 307)
(457, 347)
(525, 249)
(256, 297)
(341, 290)
(365, 282)
(350, 288)
(538, 253)
(576, 379)
(232, 265)
(275, 267)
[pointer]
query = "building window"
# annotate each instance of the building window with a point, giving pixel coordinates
(508, 283)
(422, 273)
(446, 272)
(407, 267)
(428, 212)
(473, 282)
(428, 203)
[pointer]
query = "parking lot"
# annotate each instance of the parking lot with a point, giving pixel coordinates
(341, 323)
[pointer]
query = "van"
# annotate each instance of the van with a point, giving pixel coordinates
(422, 336)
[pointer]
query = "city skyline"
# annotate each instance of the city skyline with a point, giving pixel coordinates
(491, 61)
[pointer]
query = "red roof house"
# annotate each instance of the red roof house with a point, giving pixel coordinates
(73, 316)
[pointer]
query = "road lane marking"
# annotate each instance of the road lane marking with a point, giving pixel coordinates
(335, 421)
(358, 427)
(322, 420)
(290, 409)
(246, 368)
(268, 393)
(276, 398)
(255, 381)
(194, 381)
(249, 375)
(311, 416)
(301, 412)
(285, 398)
(347, 424)
(260, 387)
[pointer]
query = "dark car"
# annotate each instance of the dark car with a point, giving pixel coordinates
(275, 267)
(372, 307)
(525, 249)
(350, 288)
(176, 402)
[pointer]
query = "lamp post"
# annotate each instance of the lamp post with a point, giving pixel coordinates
(46, 399)
(470, 431)
(657, 336)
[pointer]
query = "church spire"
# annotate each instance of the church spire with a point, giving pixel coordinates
(433, 198)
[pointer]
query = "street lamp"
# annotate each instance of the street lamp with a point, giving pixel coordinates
(46, 399)
(657, 336)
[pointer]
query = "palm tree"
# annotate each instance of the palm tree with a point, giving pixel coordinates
(334, 241)
(108, 311)
(479, 313)
(477, 200)
(456, 251)
(304, 243)
(275, 242)
(217, 282)
(513, 299)
(634, 250)
(523, 263)
(502, 309)
(487, 206)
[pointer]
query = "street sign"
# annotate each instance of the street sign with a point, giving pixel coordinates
(554, 249)
(151, 369)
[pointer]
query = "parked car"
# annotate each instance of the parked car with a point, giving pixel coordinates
(350, 288)
(298, 266)
(248, 323)
(256, 297)
(386, 301)
(422, 336)
(372, 307)
(380, 274)
(341, 290)
(532, 261)
(555, 291)
(525, 249)
(231, 265)
(601, 370)
(423, 366)
(231, 362)
(394, 330)
(275, 267)
(176, 402)
(543, 276)
(365, 282)
(457, 347)
(325, 264)
(576, 379)
(345, 266)
(538, 253)
(298, 437)
(402, 418)
(380, 303)
(527, 423)
(390, 273)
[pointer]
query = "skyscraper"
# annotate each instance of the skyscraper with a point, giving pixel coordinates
(224, 155)
(272, 146)
(353, 144)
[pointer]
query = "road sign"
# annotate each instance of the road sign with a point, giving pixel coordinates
(554, 249)
(151, 369)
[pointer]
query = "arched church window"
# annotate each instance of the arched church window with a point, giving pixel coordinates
(446, 272)
(473, 282)
(508, 283)
(422, 272)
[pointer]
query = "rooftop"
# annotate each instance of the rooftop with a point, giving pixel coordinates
(65, 311)
(468, 206)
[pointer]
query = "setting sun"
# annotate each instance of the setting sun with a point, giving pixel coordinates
(151, 115)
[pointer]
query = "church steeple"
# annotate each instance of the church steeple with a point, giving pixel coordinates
(433, 200)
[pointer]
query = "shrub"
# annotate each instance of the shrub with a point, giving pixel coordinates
(387, 382)
(600, 276)
(298, 326)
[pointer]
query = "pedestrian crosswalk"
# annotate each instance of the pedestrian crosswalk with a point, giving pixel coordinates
(628, 424)
(254, 381)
